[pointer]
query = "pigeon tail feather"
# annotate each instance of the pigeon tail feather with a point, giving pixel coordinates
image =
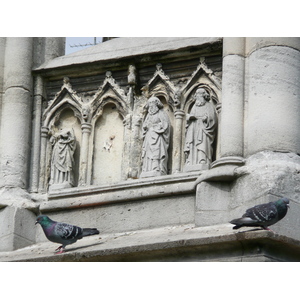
(89, 231)
(245, 221)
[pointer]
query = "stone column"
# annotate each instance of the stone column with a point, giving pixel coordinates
(54, 47)
(231, 135)
(86, 132)
(36, 136)
(16, 113)
(43, 159)
(18, 56)
(179, 114)
(2, 56)
(215, 183)
(136, 145)
(273, 103)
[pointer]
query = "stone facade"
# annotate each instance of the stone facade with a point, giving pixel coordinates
(141, 133)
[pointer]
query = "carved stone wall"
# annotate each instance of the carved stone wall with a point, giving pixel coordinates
(86, 113)
(107, 115)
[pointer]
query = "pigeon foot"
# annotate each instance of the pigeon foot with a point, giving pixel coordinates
(59, 250)
(269, 229)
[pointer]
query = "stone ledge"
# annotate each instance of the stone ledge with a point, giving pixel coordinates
(173, 243)
(130, 190)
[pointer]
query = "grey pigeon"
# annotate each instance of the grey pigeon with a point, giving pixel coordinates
(63, 233)
(263, 215)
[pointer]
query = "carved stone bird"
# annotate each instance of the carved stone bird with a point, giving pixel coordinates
(263, 215)
(63, 233)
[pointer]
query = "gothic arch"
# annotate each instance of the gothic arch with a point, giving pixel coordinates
(204, 77)
(56, 113)
(105, 100)
(108, 144)
(109, 92)
(65, 98)
(160, 85)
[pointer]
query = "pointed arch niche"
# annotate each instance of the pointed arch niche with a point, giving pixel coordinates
(109, 110)
(108, 145)
(68, 120)
(161, 87)
(204, 78)
(170, 112)
(63, 113)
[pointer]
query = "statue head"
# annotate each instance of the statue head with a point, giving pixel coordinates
(153, 105)
(201, 96)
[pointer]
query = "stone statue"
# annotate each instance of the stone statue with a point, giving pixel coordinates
(131, 75)
(62, 161)
(156, 135)
(200, 132)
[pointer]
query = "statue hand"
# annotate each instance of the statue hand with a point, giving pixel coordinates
(158, 128)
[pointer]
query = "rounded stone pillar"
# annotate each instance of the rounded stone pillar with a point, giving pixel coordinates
(36, 137)
(54, 47)
(232, 115)
(179, 115)
(2, 56)
(86, 132)
(16, 112)
(43, 159)
(273, 95)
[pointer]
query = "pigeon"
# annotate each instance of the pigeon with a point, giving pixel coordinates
(263, 215)
(63, 233)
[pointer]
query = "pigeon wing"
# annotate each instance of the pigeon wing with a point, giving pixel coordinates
(67, 231)
(262, 213)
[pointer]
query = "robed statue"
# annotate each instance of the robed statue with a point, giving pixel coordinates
(62, 160)
(200, 132)
(156, 139)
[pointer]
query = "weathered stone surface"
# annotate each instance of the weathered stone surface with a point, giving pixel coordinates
(266, 176)
(254, 43)
(233, 84)
(16, 228)
(272, 101)
(172, 243)
(234, 46)
(16, 113)
(131, 205)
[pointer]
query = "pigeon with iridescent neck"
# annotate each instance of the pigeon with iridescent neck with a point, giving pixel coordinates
(63, 233)
(263, 215)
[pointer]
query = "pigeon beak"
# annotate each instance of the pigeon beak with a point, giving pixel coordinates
(35, 222)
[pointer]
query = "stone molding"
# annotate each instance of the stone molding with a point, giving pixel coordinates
(127, 191)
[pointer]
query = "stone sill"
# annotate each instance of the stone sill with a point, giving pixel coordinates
(173, 243)
(130, 190)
